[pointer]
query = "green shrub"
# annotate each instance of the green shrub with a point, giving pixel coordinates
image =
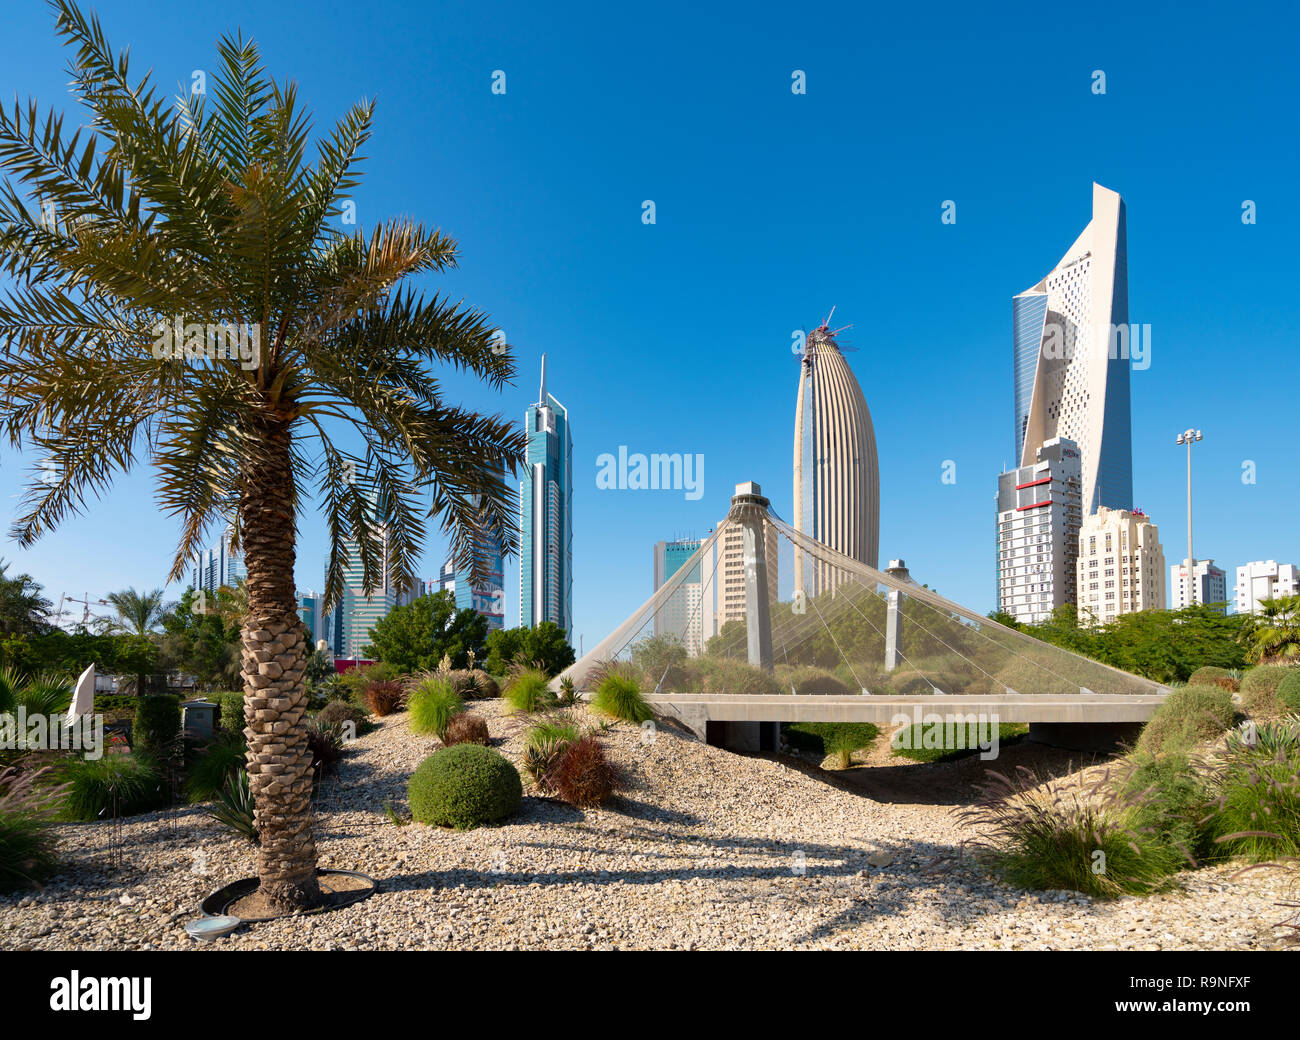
(620, 697)
(1257, 788)
(221, 760)
(1212, 675)
(530, 691)
(818, 737)
(433, 705)
(1190, 715)
(27, 808)
(464, 786)
(806, 679)
(1048, 837)
(1259, 688)
(932, 741)
(115, 785)
(233, 807)
(1171, 799)
(340, 712)
(232, 710)
(157, 724)
(1288, 691)
(723, 675)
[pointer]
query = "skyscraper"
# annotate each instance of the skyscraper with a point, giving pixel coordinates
(836, 472)
(487, 595)
(546, 515)
(728, 570)
(1038, 533)
(1071, 346)
(349, 623)
(217, 566)
(685, 615)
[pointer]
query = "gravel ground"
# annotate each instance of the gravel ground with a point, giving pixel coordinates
(704, 850)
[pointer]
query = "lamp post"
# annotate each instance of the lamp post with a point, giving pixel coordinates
(1189, 437)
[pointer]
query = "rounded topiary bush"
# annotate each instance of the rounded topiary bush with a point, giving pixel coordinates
(1190, 715)
(1259, 688)
(1212, 675)
(464, 786)
(1288, 691)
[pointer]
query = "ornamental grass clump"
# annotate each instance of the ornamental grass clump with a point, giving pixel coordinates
(432, 705)
(530, 692)
(1256, 793)
(463, 787)
(384, 697)
(582, 775)
(544, 743)
(1076, 838)
(112, 786)
(619, 696)
(28, 806)
(466, 729)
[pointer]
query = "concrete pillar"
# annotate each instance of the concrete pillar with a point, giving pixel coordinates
(893, 615)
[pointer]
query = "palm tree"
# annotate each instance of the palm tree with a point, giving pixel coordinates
(1273, 635)
(314, 370)
(139, 612)
(24, 611)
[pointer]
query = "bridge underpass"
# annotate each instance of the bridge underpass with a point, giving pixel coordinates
(845, 643)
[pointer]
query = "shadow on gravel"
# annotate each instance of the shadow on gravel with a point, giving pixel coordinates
(790, 876)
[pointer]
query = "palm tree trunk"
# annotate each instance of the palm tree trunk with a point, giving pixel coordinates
(275, 696)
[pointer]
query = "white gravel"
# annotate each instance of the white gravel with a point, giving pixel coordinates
(704, 850)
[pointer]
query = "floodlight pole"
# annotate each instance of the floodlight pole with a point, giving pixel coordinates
(1189, 437)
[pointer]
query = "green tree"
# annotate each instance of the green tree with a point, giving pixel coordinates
(139, 612)
(201, 643)
(23, 609)
(545, 647)
(417, 635)
(178, 293)
(1273, 635)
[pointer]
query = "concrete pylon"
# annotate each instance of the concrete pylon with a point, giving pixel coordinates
(893, 615)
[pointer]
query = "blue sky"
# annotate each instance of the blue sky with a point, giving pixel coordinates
(770, 208)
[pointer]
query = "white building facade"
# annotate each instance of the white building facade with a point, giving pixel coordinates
(1209, 584)
(1121, 566)
(1264, 579)
(1039, 509)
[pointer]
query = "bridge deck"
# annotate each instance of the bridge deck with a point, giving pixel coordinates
(695, 709)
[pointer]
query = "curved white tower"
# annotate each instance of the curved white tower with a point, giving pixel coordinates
(836, 472)
(1071, 370)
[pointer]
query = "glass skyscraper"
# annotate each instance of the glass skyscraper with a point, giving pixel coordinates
(546, 515)
(486, 596)
(216, 567)
(1070, 360)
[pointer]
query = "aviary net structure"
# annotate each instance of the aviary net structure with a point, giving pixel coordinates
(729, 621)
